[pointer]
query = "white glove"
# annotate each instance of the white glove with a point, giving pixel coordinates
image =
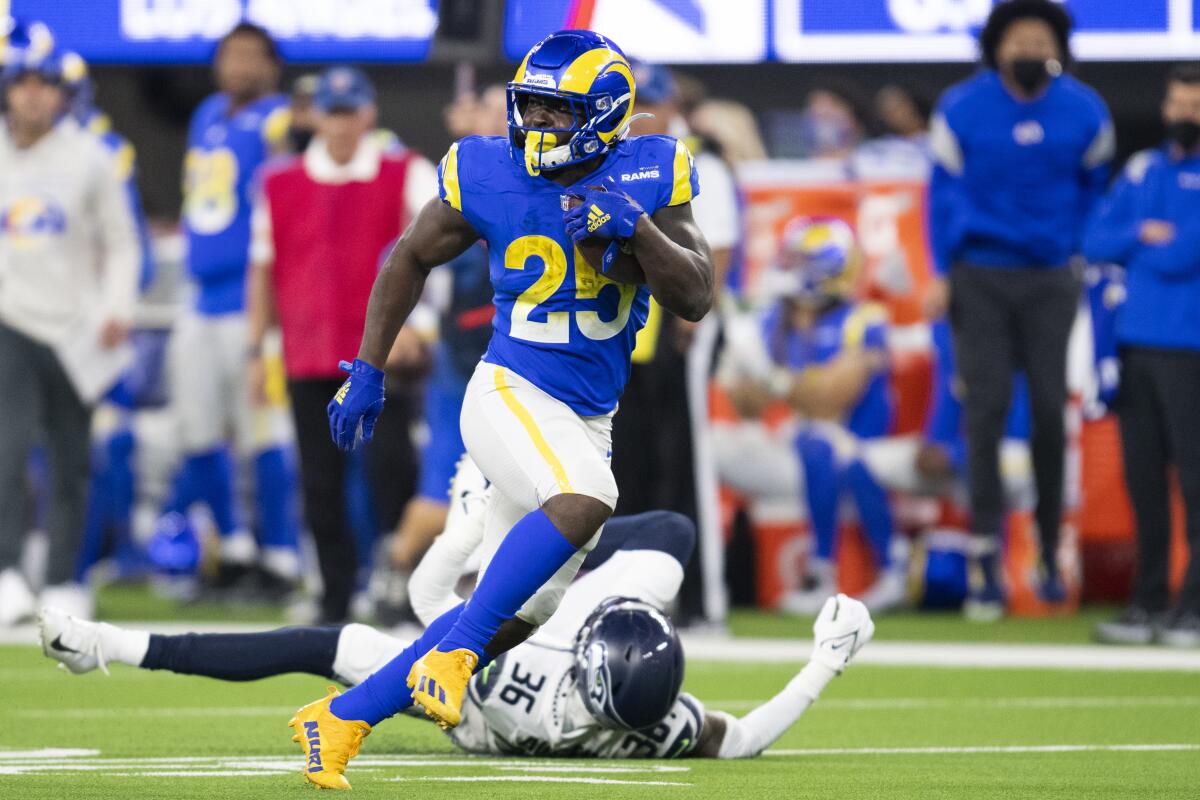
(842, 628)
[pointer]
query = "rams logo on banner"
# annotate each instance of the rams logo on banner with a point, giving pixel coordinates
(28, 221)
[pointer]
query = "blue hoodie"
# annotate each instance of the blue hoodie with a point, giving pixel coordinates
(1162, 303)
(1014, 180)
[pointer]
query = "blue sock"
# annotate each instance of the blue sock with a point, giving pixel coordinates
(212, 473)
(385, 693)
(874, 511)
(275, 496)
(821, 489)
(528, 557)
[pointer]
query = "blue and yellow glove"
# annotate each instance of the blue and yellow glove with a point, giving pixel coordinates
(605, 212)
(356, 406)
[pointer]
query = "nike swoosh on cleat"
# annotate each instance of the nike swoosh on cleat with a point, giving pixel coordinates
(59, 646)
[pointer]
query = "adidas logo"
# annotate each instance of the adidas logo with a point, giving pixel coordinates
(596, 218)
(341, 393)
(314, 746)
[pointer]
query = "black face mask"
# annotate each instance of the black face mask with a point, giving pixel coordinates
(1185, 133)
(1032, 74)
(299, 139)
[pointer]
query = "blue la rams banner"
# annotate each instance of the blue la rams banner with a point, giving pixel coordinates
(184, 31)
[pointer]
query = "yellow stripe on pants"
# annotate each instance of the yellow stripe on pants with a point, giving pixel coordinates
(522, 414)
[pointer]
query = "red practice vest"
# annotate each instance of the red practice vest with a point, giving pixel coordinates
(329, 244)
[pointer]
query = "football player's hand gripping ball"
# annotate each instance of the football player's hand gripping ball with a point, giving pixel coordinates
(356, 406)
(604, 212)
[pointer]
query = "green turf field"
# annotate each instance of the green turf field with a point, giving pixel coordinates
(1003, 734)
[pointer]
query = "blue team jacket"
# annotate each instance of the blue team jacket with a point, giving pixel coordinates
(1013, 181)
(1162, 291)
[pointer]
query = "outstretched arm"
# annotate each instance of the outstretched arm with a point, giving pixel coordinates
(438, 234)
(840, 631)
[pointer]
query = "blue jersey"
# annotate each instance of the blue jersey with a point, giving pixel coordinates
(1162, 280)
(224, 152)
(845, 327)
(125, 158)
(1013, 180)
(559, 324)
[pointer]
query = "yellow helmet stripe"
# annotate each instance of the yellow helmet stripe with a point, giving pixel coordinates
(520, 76)
(681, 191)
(449, 178)
(583, 71)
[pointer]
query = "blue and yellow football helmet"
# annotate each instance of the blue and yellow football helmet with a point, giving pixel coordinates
(18, 35)
(819, 261)
(591, 75)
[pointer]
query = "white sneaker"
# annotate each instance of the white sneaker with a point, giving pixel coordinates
(74, 643)
(17, 602)
(889, 591)
(815, 589)
(72, 598)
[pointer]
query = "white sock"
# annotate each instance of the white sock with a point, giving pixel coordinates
(122, 646)
(283, 562)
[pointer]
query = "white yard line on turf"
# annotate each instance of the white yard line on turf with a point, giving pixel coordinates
(902, 703)
(945, 654)
(1042, 748)
(535, 779)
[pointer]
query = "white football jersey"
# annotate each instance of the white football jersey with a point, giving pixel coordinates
(525, 703)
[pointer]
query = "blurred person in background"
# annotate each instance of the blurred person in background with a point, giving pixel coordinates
(302, 114)
(833, 122)
(231, 135)
(68, 243)
(825, 355)
(663, 452)
(902, 112)
(731, 126)
(111, 495)
(1021, 152)
(1150, 223)
(364, 195)
(458, 296)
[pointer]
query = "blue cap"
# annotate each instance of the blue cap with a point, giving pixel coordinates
(655, 84)
(343, 87)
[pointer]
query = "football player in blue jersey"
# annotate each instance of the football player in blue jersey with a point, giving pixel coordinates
(825, 354)
(231, 135)
(582, 223)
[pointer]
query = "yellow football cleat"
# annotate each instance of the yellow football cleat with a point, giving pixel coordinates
(439, 681)
(328, 742)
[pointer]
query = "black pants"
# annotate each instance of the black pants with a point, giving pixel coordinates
(1159, 410)
(391, 468)
(1006, 320)
(39, 404)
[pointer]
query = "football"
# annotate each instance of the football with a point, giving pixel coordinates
(624, 269)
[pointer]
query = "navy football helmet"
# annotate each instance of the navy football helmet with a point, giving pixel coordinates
(628, 664)
(591, 76)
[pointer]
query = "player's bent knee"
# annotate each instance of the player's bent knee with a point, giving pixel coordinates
(577, 516)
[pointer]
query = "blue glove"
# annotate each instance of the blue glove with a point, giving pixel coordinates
(356, 406)
(606, 212)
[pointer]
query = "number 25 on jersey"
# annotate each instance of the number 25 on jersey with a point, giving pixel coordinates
(588, 283)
